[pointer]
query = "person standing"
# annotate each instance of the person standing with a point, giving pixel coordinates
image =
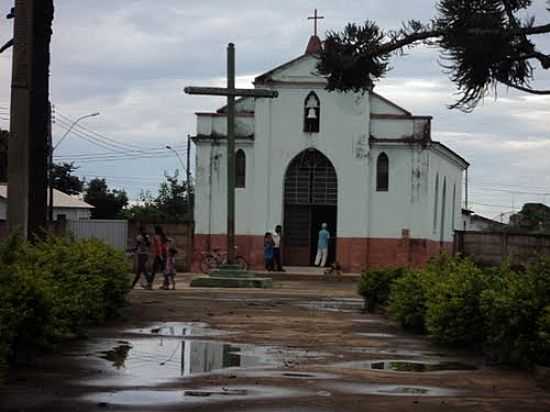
(160, 243)
(170, 270)
(143, 245)
(268, 252)
(322, 246)
(277, 248)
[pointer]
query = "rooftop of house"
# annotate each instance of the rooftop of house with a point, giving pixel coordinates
(60, 199)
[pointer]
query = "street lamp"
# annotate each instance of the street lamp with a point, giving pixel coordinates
(52, 148)
(178, 156)
(73, 124)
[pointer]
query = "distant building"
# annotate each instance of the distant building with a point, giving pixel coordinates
(391, 195)
(476, 223)
(63, 205)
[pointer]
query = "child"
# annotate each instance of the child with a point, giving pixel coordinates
(170, 270)
(268, 251)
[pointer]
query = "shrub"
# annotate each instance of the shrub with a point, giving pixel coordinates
(54, 288)
(543, 338)
(374, 286)
(517, 315)
(407, 302)
(453, 313)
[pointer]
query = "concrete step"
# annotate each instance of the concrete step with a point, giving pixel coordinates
(308, 274)
(212, 281)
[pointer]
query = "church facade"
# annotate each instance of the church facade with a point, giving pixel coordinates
(391, 195)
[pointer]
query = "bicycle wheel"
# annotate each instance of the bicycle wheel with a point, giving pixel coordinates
(207, 264)
(241, 261)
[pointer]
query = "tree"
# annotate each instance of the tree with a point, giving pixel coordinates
(533, 217)
(173, 198)
(108, 204)
(64, 180)
(483, 43)
(173, 204)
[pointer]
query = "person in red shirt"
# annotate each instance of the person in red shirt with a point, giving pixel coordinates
(160, 252)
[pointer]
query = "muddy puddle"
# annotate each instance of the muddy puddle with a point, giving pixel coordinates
(336, 305)
(145, 361)
(417, 366)
(393, 390)
(178, 330)
(375, 335)
(191, 396)
(157, 359)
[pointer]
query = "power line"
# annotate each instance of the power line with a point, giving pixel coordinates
(114, 151)
(100, 136)
(92, 139)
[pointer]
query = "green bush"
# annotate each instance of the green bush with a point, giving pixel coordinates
(543, 338)
(374, 286)
(510, 310)
(55, 288)
(407, 302)
(517, 315)
(453, 314)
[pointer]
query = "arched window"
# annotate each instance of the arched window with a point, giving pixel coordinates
(240, 169)
(382, 173)
(312, 113)
(436, 201)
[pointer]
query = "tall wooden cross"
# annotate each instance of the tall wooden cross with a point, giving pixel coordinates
(315, 18)
(231, 92)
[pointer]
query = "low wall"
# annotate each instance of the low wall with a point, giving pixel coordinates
(180, 233)
(492, 248)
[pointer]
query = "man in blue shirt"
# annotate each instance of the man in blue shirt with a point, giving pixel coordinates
(322, 246)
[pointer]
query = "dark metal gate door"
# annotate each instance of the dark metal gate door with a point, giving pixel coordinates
(310, 181)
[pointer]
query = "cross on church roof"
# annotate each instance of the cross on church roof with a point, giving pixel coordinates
(315, 17)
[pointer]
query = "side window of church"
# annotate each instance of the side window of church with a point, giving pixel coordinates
(312, 113)
(240, 169)
(382, 173)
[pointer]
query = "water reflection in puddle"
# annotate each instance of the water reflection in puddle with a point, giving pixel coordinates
(146, 361)
(153, 360)
(393, 390)
(409, 366)
(376, 335)
(341, 305)
(178, 329)
(208, 394)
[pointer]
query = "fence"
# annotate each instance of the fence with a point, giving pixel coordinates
(112, 232)
(491, 248)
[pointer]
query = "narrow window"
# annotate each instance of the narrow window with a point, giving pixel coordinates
(240, 169)
(312, 113)
(436, 202)
(382, 173)
(443, 210)
(453, 223)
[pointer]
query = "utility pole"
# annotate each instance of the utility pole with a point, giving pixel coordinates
(190, 210)
(28, 146)
(50, 167)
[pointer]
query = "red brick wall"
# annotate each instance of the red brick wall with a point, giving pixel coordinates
(353, 254)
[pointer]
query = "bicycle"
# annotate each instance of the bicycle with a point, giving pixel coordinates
(216, 258)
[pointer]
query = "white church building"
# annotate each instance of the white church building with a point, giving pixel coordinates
(391, 195)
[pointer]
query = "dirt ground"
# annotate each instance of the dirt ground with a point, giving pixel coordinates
(301, 346)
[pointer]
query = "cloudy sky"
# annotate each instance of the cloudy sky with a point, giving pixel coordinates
(130, 59)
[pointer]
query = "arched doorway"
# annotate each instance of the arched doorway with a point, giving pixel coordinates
(310, 199)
